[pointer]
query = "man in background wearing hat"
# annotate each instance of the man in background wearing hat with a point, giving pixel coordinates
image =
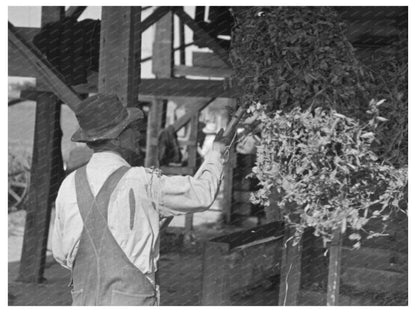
(107, 212)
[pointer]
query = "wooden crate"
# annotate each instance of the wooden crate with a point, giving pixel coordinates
(236, 261)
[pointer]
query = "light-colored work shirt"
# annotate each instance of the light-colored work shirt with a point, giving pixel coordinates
(136, 229)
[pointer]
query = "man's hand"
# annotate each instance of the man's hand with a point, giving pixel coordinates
(221, 142)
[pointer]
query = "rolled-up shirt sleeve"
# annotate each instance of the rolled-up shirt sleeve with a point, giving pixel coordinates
(186, 194)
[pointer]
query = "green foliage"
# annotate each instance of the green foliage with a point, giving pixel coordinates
(288, 57)
(324, 170)
(388, 70)
(320, 167)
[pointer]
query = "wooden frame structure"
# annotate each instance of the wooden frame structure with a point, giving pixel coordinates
(119, 72)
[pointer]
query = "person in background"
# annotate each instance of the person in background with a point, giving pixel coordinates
(108, 212)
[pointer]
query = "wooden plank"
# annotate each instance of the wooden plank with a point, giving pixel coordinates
(182, 70)
(334, 273)
(185, 87)
(201, 33)
(208, 60)
(46, 175)
(75, 11)
(290, 275)
(120, 53)
(52, 77)
(238, 260)
(170, 88)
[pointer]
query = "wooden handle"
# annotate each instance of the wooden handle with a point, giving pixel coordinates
(234, 121)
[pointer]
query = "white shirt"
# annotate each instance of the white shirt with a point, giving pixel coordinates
(156, 196)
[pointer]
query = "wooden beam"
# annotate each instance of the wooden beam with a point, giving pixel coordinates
(168, 88)
(182, 70)
(120, 53)
(162, 58)
(162, 67)
(209, 60)
(44, 69)
(18, 65)
(194, 109)
(209, 40)
(157, 14)
(46, 175)
(75, 11)
(185, 87)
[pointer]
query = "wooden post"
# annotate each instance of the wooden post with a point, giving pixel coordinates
(192, 153)
(334, 272)
(120, 53)
(227, 200)
(154, 124)
(182, 54)
(290, 275)
(162, 67)
(46, 175)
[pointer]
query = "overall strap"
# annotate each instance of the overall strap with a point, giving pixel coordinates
(86, 199)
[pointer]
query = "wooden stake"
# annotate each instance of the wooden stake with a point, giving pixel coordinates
(290, 275)
(334, 274)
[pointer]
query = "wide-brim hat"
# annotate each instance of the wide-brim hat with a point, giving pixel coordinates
(103, 117)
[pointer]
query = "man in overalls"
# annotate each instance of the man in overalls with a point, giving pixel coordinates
(107, 212)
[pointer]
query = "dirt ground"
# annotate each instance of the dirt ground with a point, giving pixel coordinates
(180, 271)
(180, 275)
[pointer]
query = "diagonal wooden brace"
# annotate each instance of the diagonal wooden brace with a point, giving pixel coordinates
(194, 109)
(209, 40)
(75, 11)
(157, 14)
(50, 75)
